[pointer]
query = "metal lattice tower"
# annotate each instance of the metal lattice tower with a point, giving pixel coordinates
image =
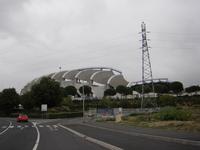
(146, 63)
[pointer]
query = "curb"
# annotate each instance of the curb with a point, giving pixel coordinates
(156, 137)
(93, 140)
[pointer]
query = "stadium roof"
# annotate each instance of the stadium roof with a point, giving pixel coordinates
(101, 75)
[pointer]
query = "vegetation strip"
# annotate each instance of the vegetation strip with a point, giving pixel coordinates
(93, 140)
(156, 137)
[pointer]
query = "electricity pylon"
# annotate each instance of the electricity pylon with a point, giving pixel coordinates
(146, 63)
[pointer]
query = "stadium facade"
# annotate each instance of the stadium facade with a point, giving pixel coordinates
(98, 78)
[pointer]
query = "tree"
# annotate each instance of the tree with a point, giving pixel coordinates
(109, 92)
(122, 90)
(176, 87)
(9, 99)
(27, 101)
(137, 88)
(47, 92)
(69, 90)
(87, 90)
(161, 87)
(193, 88)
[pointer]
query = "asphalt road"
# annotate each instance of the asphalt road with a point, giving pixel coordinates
(3, 124)
(48, 135)
(128, 141)
(24, 136)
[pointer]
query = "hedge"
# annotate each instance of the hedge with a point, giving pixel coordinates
(64, 115)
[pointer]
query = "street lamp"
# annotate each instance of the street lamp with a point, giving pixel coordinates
(20, 107)
(83, 102)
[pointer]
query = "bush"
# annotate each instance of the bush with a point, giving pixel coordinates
(167, 100)
(172, 113)
(64, 115)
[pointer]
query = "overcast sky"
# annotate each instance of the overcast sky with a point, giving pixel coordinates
(38, 36)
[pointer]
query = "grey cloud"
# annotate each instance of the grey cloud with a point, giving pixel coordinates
(38, 36)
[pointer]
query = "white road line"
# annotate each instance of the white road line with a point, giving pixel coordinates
(19, 126)
(11, 127)
(55, 126)
(38, 136)
(49, 127)
(6, 128)
(93, 140)
(3, 127)
(41, 126)
(25, 126)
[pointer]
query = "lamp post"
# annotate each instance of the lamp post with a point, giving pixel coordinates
(20, 108)
(83, 104)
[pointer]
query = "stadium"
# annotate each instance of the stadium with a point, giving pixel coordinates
(98, 78)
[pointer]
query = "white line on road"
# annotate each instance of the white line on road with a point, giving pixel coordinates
(38, 136)
(55, 127)
(93, 140)
(6, 128)
(41, 126)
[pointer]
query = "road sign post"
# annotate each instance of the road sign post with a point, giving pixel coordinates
(44, 110)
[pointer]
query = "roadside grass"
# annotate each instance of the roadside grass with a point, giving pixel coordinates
(177, 118)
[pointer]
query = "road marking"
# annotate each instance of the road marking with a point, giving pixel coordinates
(45, 121)
(55, 127)
(93, 140)
(49, 127)
(150, 136)
(6, 128)
(38, 136)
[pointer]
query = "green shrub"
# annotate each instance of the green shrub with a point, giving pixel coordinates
(125, 118)
(167, 100)
(64, 115)
(172, 113)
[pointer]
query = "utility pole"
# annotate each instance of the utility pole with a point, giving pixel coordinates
(146, 63)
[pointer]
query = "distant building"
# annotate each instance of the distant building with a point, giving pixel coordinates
(98, 78)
